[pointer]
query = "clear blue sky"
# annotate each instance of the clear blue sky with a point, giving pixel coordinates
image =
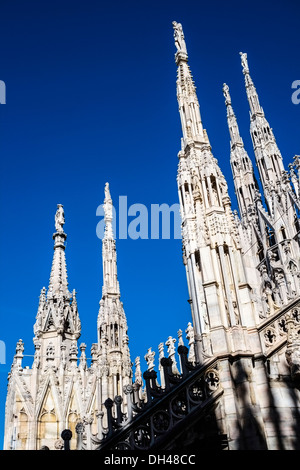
(91, 97)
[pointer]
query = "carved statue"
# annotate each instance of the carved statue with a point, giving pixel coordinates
(179, 37)
(59, 218)
(149, 357)
(138, 372)
(266, 281)
(108, 210)
(226, 93)
(244, 62)
(106, 192)
(293, 359)
(50, 352)
(20, 347)
(267, 289)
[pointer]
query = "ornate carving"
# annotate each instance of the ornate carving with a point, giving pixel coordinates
(212, 380)
(179, 37)
(161, 421)
(179, 405)
(244, 61)
(59, 219)
(293, 345)
(142, 437)
(270, 336)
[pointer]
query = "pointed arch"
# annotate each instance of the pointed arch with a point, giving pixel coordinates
(48, 422)
(49, 322)
(23, 423)
(73, 414)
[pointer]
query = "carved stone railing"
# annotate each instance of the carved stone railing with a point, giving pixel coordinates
(273, 331)
(150, 420)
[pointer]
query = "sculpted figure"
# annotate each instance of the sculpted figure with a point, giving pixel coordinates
(106, 191)
(293, 360)
(244, 62)
(59, 218)
(226, 93)
(150, 359)
(107, 204)
(179, 37)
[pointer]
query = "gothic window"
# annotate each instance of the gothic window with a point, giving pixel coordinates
(68, 324)
(270, 237)
(264, 168)
(276, 165)
(111, 335)
(207, 190)
(116, 334)
(215, 198)
(241, 192)
(197, 260)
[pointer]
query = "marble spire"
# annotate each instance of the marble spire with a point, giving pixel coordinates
(58, 284)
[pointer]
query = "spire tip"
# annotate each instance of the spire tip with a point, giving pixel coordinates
(244, 61)
(179, 38)
(108, 212)
(59, 219)
(226, 94)
(107, 192)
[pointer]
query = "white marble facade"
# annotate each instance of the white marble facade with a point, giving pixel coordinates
(243, 278)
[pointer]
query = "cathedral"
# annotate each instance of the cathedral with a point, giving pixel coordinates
(236, 384)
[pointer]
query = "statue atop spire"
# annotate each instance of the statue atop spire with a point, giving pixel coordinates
(179, 38)
(112, 324)
(58, 277)
(186, 92)
(59, 218)
(244, 61)
(226, 94)
(241, 164)
(268, 156)
(108, 212)
(107, 192)
(232, 122)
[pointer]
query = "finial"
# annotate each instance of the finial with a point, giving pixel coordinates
(226, 94)
(59, 219)
(108, 212)
(58, 286)
(179, 37)
(244, 62)
(107, 193)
